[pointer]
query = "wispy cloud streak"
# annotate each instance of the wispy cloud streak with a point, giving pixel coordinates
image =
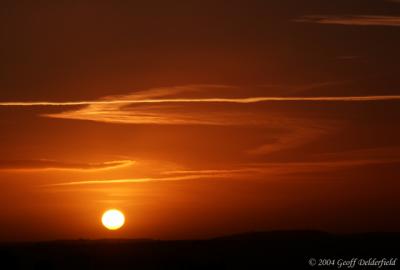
(141, 180)
(170, 105)
(249, 171)
(52, 165)
(358, 20)
(299, 134)
(245, 100)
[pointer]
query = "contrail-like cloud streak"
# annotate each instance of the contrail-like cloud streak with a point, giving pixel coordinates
(245, 100)
(251, 171)
(172, 105)
(356, 20)
(139, 180)
(53, 165)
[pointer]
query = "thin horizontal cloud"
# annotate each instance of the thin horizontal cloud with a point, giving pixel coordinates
(299, 135)
(50, 165)
(168, 105)
(380, 153)
(358, 20)
(212, 171)
(249, 171)
(244, 100)
(139, 180)
(320, 166)
(282, 168)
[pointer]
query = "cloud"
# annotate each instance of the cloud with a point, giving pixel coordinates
(297, 136)
(140, 180)
(207, 105)
(380, 153)
(212, 105)
(192, 104)
(241, 172)
(359, 20)
(171, 95)
(243, 100)
(50, 165)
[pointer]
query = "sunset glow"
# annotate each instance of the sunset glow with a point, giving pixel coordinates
(198, 119)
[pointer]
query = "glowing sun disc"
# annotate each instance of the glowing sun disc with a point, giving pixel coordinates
(113, 219)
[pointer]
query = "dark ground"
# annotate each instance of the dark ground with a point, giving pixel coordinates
(263, 250)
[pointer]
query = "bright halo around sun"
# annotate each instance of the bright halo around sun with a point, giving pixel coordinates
(113, 219)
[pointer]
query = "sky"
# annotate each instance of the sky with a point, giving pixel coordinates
(198, 118)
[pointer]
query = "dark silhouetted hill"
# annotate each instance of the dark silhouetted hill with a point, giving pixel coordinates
(258, 250)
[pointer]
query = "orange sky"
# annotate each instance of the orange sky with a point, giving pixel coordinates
(198, 119)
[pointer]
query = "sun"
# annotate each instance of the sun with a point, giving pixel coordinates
(113, 219)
